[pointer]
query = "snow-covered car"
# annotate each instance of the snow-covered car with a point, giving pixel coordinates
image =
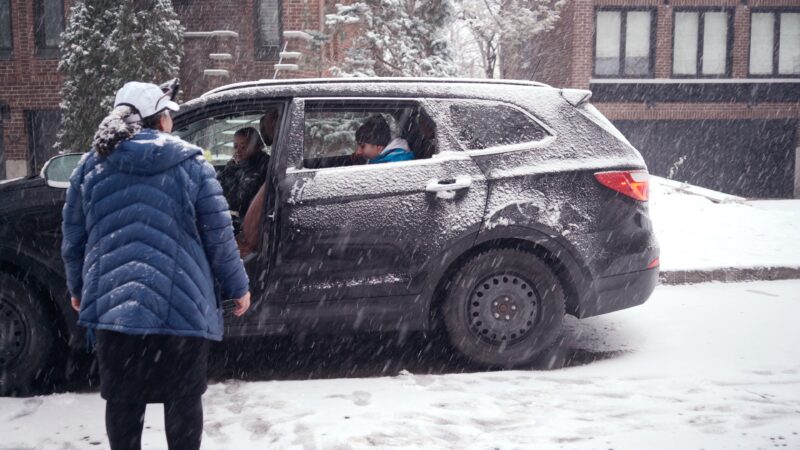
(522, 204)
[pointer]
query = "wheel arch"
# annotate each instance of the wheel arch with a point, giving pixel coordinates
(574, 277)
(49, 286)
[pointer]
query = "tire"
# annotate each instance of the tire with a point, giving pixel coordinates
(503, 308)
(27, 338)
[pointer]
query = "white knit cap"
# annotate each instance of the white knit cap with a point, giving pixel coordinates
(147, 98)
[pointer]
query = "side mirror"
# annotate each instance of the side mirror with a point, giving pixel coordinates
(57, 170)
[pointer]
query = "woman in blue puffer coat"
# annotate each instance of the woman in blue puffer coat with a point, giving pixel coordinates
(149, 252)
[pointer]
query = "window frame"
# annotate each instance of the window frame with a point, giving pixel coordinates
(39, 38)
(261, 51)
(8, 52)
(700, 35)
(776, 30)
(622, 37)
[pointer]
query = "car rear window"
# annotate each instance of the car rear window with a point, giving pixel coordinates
(481, 126)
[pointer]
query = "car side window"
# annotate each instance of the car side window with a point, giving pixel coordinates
(479, 126)
(215, 135)
(333, 133)
(330, 126)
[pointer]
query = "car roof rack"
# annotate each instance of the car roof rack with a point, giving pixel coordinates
(367, 80)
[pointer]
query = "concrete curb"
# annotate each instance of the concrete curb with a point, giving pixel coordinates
(729, 275)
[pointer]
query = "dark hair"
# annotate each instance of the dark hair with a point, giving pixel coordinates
(114, 129)
(153, 122)
(248, 132)
(374, 131)
(252, 136)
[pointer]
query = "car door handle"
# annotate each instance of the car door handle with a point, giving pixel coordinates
(450, 184)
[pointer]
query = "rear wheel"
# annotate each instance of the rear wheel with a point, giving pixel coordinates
(503, 308)
(27, 338)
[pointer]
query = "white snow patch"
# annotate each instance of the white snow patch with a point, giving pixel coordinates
(703, 366)
(695, 232)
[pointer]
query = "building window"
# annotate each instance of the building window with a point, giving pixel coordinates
(6, 43)
(624, 43)
(701, 45)
(49, 26)
(775, 43)
(42, 128)
(267, 29)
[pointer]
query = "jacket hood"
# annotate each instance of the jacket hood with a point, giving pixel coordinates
(395, 144)
(151, 152)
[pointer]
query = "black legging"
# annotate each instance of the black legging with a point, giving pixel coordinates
(183, 420)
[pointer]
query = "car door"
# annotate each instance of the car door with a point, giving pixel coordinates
(366, 231)
(213, 128)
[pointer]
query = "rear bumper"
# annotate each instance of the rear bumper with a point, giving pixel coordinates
(618, 292)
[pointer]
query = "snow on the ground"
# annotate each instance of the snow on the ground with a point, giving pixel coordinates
(696, 233)
(710, 366)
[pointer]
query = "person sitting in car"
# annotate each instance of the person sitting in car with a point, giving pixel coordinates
(374, 143)
(251, 221)
(245, 172)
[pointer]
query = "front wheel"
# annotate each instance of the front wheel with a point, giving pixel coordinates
(503, 308)
(27, 338)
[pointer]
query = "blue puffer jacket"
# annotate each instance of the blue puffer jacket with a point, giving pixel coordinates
(148, 244)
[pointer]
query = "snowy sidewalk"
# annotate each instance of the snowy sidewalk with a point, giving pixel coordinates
(712, 366)
(706, 241)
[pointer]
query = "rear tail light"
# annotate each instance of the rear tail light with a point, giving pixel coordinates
(633, 183)
(654, 263)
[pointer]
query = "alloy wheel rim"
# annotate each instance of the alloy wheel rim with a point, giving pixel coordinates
(503, 309)
(13, 334)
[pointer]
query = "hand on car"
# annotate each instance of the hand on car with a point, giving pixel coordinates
(76, 303)
(242, 304)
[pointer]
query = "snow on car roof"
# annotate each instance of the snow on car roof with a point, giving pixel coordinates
(367, 80)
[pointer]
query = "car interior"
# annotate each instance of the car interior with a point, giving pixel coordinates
(329, 132)
(329, 141)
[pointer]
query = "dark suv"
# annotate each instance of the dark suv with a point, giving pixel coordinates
(522, 203)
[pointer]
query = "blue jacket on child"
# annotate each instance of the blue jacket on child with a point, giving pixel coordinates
(148, 244)
(396, 150)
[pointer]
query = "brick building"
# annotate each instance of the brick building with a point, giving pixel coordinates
(226, 41)
(707, 90)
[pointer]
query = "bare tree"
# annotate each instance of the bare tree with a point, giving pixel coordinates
(496, 25)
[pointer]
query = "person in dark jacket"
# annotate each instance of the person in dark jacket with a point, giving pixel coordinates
(244, 174)
(374, 143)
(149, 251)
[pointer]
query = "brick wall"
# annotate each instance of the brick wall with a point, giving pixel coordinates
(579, 53)
(576, 31)
(582, 45)
(698, 111)
(238, 16)
(663, 50)
(547, 55)
(29, 83)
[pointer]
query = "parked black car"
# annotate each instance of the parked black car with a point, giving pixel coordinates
(523, 203)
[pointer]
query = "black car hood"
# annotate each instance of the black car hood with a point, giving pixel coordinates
(15, 184)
